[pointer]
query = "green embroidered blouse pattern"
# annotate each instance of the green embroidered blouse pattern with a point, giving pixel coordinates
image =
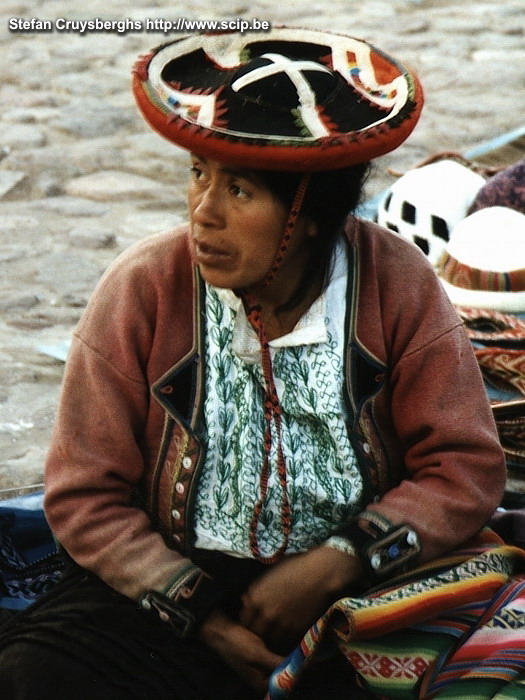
(324, 483)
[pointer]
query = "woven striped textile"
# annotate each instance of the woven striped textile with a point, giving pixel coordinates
(454, 628)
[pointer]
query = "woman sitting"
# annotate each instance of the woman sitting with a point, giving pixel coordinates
(264, 410)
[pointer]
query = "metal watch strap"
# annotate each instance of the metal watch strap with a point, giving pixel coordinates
(185, 601)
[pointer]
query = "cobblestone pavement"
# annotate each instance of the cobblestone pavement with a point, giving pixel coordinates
(82, 177)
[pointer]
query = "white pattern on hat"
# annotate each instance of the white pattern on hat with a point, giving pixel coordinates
(305, 94)
(426, 203)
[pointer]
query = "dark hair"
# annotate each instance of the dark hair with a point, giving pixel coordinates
(330, 196)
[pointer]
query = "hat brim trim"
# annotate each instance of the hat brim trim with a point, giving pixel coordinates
(513, 302)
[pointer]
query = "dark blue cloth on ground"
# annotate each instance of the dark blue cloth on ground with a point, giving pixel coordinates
(29, 560)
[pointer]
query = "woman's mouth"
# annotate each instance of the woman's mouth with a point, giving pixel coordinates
(207, 254)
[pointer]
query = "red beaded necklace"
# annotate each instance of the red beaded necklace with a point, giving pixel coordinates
(272, 406)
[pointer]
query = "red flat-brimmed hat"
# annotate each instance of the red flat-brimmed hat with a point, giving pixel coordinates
(287, 99)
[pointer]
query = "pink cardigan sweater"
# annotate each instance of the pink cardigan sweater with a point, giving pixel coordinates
(124, 460)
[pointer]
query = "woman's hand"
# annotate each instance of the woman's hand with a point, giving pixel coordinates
(283, 603)
(243, 650)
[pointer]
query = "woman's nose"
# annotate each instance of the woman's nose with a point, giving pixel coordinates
(207, 208)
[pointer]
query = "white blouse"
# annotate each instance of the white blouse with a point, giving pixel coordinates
(323, 480)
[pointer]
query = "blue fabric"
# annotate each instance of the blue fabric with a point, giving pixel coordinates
(29, 561)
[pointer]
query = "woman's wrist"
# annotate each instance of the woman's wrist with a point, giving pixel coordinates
(341, 544)
(186, 601)
(344, 567)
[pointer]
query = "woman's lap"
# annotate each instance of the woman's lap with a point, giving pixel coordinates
(84, 640)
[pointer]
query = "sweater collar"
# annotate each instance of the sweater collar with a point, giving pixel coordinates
(311, 327)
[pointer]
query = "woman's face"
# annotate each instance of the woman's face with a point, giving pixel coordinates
(236, 227)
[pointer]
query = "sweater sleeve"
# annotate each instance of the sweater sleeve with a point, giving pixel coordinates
(454, 464)
(96, 460)
(439, 417)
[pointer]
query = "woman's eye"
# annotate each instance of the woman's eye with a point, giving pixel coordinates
(238, 191)
(196, 172)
